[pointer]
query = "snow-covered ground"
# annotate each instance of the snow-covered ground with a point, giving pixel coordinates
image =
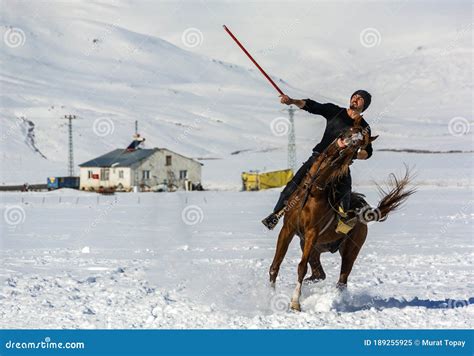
(201, 259)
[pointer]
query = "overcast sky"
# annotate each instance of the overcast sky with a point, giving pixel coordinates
(281, 34)
(328, 48)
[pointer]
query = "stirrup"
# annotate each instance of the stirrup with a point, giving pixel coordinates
(345, 226)
(341, 212)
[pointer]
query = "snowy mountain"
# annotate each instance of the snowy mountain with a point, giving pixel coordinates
(97, 61)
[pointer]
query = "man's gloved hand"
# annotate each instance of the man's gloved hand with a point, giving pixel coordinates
(341, 142)
(285, 99)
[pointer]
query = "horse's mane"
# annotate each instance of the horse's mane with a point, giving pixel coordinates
(322, 163)
(337, 171)
(342, 170)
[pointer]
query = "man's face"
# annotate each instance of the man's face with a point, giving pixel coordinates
(357, 103)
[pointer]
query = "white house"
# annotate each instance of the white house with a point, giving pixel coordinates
(123, 169)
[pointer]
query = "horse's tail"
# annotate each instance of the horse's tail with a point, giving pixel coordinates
(392, 197)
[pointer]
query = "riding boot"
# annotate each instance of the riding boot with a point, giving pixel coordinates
(347, 220)
(278, 211)
(272, 220)
(345, 202)
(285, 195)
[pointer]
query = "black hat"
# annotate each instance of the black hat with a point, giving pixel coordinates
(365, 95)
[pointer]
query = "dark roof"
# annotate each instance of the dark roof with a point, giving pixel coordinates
(119, 158)
(123, 158)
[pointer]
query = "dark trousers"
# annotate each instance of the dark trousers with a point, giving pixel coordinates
(343, 187)
(343, 191)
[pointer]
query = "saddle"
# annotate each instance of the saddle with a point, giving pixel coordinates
(346, 220)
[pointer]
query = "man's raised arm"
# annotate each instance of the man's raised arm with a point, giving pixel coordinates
(285, 99)
(327, 110)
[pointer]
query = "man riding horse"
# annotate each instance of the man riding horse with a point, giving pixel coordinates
(338, 120)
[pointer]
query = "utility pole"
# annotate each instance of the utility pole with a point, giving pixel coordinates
(136, 128)
(71, 149)
(291, 140)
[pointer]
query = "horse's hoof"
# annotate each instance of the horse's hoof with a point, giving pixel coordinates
(272, 285)
(341, 286)
(295, 306)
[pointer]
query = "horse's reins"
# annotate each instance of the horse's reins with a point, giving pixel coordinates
(313, 180)
(309, 185)
(316, 176)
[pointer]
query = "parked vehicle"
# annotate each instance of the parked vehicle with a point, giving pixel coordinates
(62, 182)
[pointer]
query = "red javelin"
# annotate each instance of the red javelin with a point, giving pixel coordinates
(253, 60)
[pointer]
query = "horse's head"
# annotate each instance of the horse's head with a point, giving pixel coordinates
(354, 139)
(334, 162)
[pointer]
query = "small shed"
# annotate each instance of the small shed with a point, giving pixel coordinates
(255, 180)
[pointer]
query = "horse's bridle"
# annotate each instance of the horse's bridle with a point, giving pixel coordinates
(354, 138)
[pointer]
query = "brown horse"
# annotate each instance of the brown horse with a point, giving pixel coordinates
(311, 214)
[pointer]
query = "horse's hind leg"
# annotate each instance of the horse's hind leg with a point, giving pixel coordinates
(349, 251)
(317, 271)
(284, 239)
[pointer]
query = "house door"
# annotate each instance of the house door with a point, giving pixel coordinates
(104, 177)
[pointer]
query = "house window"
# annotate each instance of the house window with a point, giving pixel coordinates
(89, 174)
(168, 160)
(121, 174)
(183, 174)
(104, 174)
(145, 174)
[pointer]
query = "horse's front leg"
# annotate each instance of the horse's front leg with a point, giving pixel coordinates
(284, 239)
(310, 237)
